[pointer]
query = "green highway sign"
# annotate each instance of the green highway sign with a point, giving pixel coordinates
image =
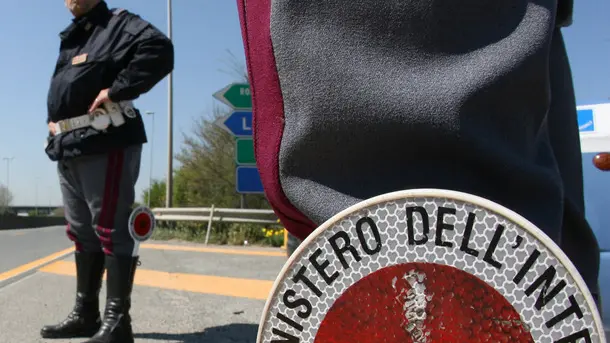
(239, 124)
(244, 148)
(236, 95)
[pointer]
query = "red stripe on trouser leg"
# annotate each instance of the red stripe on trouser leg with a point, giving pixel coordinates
(268, 111)
(72, 237)
(110, 200)
(101, 221)
(116, 190)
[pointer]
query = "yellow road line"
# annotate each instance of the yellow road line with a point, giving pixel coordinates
(233, 287)
(211, 250)
(34, 264)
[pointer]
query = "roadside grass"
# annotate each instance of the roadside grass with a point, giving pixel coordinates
(221, 233)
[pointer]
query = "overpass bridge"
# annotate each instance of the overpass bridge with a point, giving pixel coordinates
(42, 210)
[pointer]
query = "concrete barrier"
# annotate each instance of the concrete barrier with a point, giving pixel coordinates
(11, 222)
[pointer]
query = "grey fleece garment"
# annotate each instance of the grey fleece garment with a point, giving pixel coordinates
(389, 95)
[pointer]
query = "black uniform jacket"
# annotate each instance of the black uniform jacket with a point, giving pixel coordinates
(106, 48)
(565, 9)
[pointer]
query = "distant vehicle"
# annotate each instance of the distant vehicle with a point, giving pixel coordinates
(594, 125)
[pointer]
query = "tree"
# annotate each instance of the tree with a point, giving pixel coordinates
(207, 171)
(6, 199)
(206, 175)
(157, 194)
(236, 69)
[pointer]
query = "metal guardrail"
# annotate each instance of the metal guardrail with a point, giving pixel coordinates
(212, 214)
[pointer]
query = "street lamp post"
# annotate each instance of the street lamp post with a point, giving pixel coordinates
(170, 129)
(8, 173)
(152, 144)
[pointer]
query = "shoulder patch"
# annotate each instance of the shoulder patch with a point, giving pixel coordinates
(136, 25)
(118, 11)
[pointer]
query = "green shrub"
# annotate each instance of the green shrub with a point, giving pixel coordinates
(221, 233)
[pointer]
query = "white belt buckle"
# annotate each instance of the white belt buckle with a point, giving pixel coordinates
(99, 119)
(112, 107)
(116, 118)
(114, 111)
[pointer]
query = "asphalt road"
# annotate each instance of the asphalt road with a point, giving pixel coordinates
(19, 247)
(183, 292)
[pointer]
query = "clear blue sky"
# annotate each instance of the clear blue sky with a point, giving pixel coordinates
(203, 32)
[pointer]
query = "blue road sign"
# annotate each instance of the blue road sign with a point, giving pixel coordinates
(238, 123)
(248, 180)
(585, 121)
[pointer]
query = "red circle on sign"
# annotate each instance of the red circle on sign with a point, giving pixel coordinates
(142, 224)
(422, 302)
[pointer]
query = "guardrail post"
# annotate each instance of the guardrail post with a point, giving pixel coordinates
(285, 245)
(207, 235)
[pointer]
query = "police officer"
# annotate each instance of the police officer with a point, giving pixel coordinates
(107, 58)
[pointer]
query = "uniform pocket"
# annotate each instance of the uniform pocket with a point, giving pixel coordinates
(53, 149)
(88, 78)
(82, 82)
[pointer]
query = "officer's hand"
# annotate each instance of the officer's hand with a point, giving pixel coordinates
(100, 99)
(52, 128)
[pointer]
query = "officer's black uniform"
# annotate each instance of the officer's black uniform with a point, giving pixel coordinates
(119, 51)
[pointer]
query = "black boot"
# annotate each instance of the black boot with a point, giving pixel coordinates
(84, 320)
(116, 326)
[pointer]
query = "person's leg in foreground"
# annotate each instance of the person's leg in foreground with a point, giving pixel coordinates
(353, 99)
(99, 192)
(577, 238)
